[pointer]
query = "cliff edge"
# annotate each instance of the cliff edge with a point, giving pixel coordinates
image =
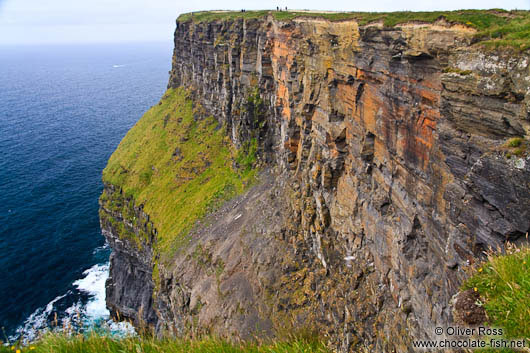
(337, 174)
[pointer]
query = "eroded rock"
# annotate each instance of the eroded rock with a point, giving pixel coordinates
(389, 178)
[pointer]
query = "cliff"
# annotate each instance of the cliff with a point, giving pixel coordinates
(352, 170)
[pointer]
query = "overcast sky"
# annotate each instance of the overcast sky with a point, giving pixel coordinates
(75, 21)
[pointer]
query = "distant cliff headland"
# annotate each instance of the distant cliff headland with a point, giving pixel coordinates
(339, 172)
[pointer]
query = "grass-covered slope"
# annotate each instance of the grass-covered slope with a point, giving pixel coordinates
(60, 343)
(495, 28)
(178, 164)
(503, 283)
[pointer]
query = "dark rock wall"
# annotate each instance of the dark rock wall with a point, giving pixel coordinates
(129, 288)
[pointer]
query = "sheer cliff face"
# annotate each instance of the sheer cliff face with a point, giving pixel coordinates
(391, 176)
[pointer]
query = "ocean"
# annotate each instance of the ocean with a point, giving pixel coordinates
(63, 111)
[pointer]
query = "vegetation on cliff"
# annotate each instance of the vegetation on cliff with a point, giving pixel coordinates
(495, 28)
(94, 343)
(516, 146)
(503, 283)
(176, 162)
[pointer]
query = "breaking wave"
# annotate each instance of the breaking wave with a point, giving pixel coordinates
(80, 316)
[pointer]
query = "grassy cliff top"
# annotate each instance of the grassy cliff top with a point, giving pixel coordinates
(495, 27)
(177, 164)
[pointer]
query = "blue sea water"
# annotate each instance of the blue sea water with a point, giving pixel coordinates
(63, 111)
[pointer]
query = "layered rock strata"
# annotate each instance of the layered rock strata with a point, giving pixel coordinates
(387, 175)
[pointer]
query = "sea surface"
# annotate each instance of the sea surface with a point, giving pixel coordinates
(63, 111)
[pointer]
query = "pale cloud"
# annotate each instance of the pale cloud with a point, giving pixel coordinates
(66, 21)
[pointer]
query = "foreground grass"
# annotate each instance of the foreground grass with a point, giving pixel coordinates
(58, 343)
(495, 28)
(176, 162)
(504, 285)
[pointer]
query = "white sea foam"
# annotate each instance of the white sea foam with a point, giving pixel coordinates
(95, 310)
(121, 329)
(91, 314)
(115, 66)
(37, 321)
(93, 284)
(101, 248)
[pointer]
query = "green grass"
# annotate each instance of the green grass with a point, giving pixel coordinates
(60, 343)
(514, 142)
(246, 156)
(457, 71)
(207, 16)
(478, 19)
(504, 286)
(516, 146)
(495, 28)
(177, 163)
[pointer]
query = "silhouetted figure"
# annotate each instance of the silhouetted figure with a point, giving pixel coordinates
(285, 8)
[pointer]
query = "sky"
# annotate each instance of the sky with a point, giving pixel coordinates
(111, 21)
